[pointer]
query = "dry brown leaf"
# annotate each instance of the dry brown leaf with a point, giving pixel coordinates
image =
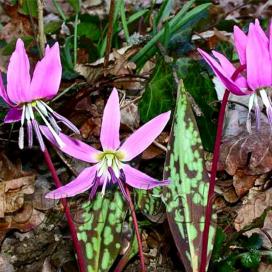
(250, 152)
(264, 267)
(253, 207)
(242, 182)
(151, 152)
(130, 115)
(119, 67)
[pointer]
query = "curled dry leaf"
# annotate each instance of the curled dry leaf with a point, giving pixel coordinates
(250, 152)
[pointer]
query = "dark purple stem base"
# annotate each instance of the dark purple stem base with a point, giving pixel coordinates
(78, 249)
(216, 152)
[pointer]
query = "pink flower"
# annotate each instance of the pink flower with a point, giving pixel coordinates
(26, 97)
(110, 165)
(255, 52)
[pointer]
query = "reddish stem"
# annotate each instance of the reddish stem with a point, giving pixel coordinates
(78, 249)
(136, 227)
(216, 153)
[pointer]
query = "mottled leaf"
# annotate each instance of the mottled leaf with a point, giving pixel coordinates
(186, 197)
(99, 230)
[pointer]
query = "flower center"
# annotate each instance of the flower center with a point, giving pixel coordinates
(46, 113)
(109, 159)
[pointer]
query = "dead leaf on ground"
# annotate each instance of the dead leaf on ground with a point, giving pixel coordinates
(250, 152)
(253, 207)
(119, 68)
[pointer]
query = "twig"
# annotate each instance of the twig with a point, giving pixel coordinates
(109, 33)
(78, 249)
(136, 228)
(216, 152)
(75, 39)
(41, 35)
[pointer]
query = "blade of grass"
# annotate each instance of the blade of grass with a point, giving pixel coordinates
(180, 19)
(124, 20)
(59, 9)
(75, 39)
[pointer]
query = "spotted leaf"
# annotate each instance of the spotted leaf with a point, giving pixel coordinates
(100, 230)
(186, 196)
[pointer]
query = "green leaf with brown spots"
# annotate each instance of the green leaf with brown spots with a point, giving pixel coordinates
(186, 196)
(99, 230)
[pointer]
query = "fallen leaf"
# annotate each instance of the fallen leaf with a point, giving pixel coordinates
(250, 152)
(253, 207)
(242, 182)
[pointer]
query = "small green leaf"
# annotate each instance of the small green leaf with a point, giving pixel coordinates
(29, 7)
(158, 96)
(89, 30)
(251, 259)
(253, 242)
(75, 4)
(52, 27)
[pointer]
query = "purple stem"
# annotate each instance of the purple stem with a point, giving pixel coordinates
(78, 249)
(216, 152)
(136, 227)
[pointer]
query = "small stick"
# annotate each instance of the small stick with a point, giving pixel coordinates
(109, 33)
(41, 35)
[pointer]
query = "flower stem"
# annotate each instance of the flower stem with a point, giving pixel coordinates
(136, 227)
(216, 153)
(78, 249)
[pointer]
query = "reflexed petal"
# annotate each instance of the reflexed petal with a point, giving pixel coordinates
(82, 183)
(140, 180)
(259, 70)
(74, 148)
(240, 41)
(3, 92)
(144, 136)
(109, 135)
(221, 74)
(47, 74)
(18, 75)
(229, 69)
(13, 115)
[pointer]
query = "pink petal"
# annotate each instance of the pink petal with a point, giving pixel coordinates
(229, 69)
(18, 77)
(74, 148)
(260, 31)
(144, 136)
(221, 74)
(79, 185)
(47, 74)
(259, 72)
(13, 115)
(109, 135)
(240, 41)
(3, 92)
(140, 180)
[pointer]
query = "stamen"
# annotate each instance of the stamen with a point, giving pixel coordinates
(21, 138)
(257, 112)
(29, 133)
(23, 116)
(62, 119)
(55, 135)
(119, 181)
(267, 104)
(42, 108)
(54, 123)
(94, 188)
(250, 105)
(104, 187)
(38, 134)
(66, 122)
